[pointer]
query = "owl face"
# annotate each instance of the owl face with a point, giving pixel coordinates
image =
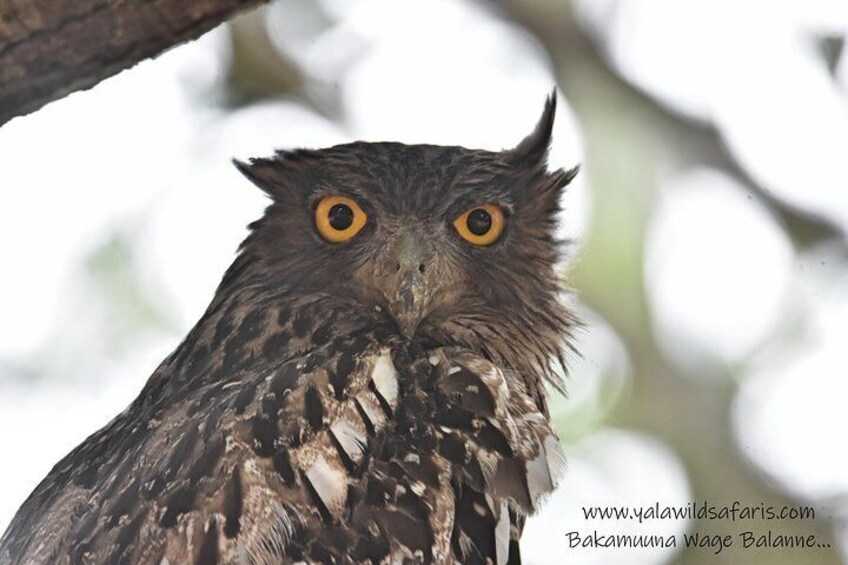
(444, 244)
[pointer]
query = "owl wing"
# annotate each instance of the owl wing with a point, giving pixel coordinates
(425, 456)
(218, 472)
(355, 452)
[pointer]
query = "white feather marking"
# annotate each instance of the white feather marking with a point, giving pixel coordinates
(350, 437)
(384, 376)
(555, 457)
(539, 481)
(329, 482)
(370, 407)
(502, 535)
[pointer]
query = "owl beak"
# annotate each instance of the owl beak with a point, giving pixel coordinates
(407, 308)
(409, 291)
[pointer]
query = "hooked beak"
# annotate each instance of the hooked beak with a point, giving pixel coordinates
(407, 287)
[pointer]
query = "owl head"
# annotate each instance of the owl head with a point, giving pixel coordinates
(446, 245)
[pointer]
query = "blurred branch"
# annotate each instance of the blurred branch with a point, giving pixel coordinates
(259, 70)
(831, 49)
(49, 49)
(697, 142)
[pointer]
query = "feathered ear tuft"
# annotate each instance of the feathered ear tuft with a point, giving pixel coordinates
(261, 172)
(533, 149)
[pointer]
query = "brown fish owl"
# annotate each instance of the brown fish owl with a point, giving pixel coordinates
(367, 385)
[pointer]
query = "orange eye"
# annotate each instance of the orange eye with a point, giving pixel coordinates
(339, 218)
(481, 225)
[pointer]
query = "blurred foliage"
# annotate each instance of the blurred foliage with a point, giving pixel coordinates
(112, 272)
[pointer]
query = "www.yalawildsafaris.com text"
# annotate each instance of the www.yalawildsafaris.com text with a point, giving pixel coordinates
(700, 511)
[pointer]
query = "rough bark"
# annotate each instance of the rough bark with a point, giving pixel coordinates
(50, 48)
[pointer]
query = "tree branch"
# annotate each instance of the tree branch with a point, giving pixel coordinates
(49, 49)
(573, 50)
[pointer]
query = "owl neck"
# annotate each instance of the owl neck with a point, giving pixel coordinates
(256, 320)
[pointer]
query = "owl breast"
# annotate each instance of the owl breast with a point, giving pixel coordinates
(366, 449)
(428, 456)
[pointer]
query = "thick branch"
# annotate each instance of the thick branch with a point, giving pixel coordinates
(49, 49)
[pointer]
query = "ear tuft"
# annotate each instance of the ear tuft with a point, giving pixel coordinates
(260, 172)
(568, 175)
(533, 149)
(243, 167)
